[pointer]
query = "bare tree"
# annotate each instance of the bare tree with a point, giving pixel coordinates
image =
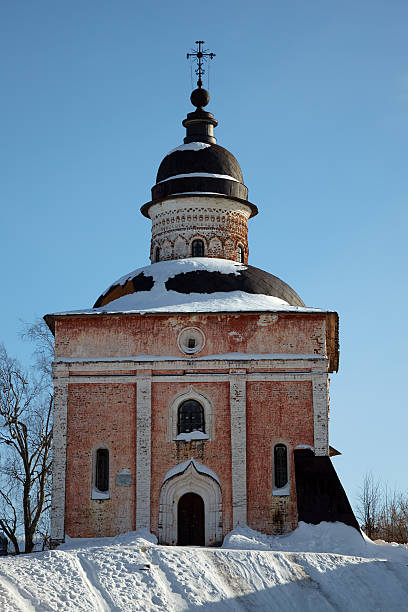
(393, 518)
(383, 513)
(369, 505)
(43, 341)
(25, 438)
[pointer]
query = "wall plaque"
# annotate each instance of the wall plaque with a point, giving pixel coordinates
(123, 479)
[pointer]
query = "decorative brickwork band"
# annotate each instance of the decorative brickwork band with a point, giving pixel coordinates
(320, 412)
(238, 448)
(59, 461)
(143, 452)
(220, 223)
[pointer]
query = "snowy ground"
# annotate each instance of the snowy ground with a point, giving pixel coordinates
(317, 568)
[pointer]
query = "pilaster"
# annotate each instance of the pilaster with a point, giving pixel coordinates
(59, 457)
(143, 451)
(321, 414)
(238, 447)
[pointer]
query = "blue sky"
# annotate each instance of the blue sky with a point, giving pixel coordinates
(312, 98)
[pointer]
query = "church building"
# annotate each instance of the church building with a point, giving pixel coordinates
(193, 396)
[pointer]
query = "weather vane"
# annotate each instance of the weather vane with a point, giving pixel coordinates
(200, 55)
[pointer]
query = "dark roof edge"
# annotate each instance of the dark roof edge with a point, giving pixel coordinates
(145, 208)
(50, 321)
(332, 340)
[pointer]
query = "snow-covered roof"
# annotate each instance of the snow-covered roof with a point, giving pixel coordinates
(236, 301)
(182, 467)
(197, 285)
(190, 146)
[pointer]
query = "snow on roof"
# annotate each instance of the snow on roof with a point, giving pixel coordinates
(163, 270)
(190, 146)
(182, 467)
(200, 174)
(159, 299)
(172, 301)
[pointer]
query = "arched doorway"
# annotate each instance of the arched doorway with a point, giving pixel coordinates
(190, 520)
(190, 477)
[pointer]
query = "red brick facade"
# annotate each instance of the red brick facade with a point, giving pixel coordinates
(155, 334)
(98, 355)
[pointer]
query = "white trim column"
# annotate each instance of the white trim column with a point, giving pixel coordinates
(143, 451)
(320, 414)
(238, 447)
(59, 457)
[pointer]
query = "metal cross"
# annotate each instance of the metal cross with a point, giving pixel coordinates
(200, 56)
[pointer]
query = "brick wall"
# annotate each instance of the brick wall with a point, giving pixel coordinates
(99, 413)
(222, 225)
(115, 335)
(276, 412)
(214, 454)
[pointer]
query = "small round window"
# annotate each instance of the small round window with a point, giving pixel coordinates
(191, 340)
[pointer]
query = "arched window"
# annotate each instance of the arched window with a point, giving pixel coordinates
(190, 417)
(157, 254)
(240, 253)
(197, 248)
(102, 469)
(280, 460)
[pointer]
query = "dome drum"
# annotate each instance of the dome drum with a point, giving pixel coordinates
(189, 198)
(219, 222)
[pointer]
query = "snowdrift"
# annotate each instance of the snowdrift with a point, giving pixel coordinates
(317, 568)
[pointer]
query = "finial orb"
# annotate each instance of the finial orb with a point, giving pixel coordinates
(200, 97)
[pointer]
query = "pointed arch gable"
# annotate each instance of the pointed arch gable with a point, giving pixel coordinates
(190, 477)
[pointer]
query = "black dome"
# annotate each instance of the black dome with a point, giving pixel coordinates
(200, 276)
(211, 159)
(202, 164)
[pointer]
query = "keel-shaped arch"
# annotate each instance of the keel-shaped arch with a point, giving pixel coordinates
(190, 477)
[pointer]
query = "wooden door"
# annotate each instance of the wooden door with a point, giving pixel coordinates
(190, 520)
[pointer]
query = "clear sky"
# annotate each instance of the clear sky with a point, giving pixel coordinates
(312, 98)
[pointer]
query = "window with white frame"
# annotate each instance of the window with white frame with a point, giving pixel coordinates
(190, 417)
(100, 477)
(280, 470)
(241, 253)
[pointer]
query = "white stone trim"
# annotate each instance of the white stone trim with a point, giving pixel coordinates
(193, 394)
(194, 377)
(95, 493)
(321, 414)
(281, 491)
(143, 451)
(238, 448)
(190, 481)
(194, 333)
(59, 461)
(317, 363)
